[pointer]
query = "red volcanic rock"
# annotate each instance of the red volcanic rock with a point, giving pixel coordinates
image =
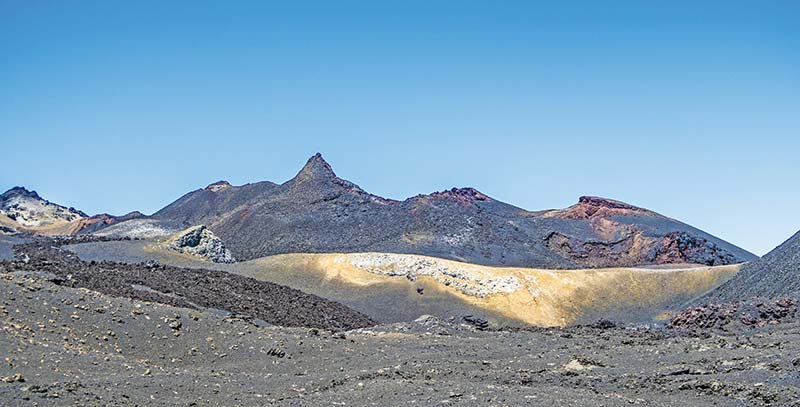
(589, 207)
(708, 316)
(598, 202)
(101, 218)
(619, 242)
(87, 225)
(129, 215)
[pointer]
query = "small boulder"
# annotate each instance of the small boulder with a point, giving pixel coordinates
(200, 241)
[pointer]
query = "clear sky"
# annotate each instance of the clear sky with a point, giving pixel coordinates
(689, 108)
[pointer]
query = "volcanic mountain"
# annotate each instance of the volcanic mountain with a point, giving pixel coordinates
(318, 212)
(24, 211)
(775, 275)
(28, 210)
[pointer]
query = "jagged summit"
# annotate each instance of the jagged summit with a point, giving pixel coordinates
(31, 211)
(20, 191)
(316, 168)
(316, 179)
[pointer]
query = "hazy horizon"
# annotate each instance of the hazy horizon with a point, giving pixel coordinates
(690, 110)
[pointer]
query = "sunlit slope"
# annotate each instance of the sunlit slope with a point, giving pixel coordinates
(55, 227)
(531, 296)
(385, 286)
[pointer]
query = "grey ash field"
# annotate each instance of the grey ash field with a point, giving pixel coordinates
(67, 346)
(315, 292)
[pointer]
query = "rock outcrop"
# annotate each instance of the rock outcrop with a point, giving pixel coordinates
(683, 247)
(474, 283)
(460, 195)
(201, 242)
(218, 186)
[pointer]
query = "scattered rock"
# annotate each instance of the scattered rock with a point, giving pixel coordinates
(478, 323)
(13, 378)
(580, 364)
(242, 297)
(747, 313)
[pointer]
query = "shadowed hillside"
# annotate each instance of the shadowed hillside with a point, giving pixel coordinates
(318, 212)
(775, 275)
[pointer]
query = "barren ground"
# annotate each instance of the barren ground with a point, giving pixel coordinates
(66, 346)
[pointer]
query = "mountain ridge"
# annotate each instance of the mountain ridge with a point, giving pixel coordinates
(25, 211)
(318, 212)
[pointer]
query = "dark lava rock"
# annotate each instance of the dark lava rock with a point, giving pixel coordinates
(478, 323)
(775, 275)
(318, 212)
(738, 314)
(603, 324)
(679, 247)
(191, 288)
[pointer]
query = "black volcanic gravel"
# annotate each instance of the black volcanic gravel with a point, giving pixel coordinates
(776, 275)
(192, 288)
(68, 347)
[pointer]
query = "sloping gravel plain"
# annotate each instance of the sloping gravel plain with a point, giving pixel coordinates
(65, 345)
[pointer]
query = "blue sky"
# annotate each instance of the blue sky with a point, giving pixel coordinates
(691, 109)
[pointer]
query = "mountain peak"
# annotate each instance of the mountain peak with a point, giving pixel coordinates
(32, 211)
(316, 168)
(20, 191)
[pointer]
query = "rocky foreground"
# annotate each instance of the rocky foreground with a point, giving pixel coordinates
(106, 334)
(218, 291)
(72, 346)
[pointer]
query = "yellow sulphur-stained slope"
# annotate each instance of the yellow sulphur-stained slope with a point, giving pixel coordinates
(531, 296)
